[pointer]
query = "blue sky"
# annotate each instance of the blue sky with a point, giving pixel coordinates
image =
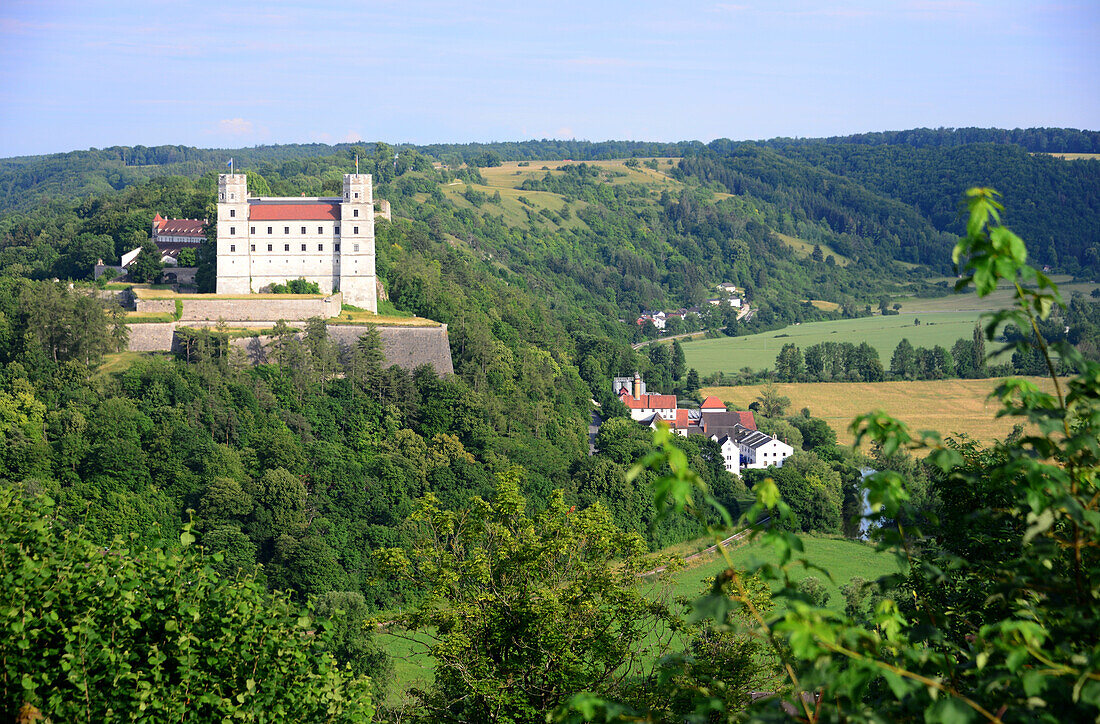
(225, 74)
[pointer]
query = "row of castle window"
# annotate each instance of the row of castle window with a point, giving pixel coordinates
(354, 212)
(286, 230)
(286, 247)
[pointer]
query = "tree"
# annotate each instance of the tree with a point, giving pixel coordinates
(97, 630)
(187, 257)
(692, 383)
(524, 610)
(789, 365)
(677, 362)
(903, 365)
(772, 404)
(147, 267)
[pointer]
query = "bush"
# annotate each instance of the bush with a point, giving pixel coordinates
(92, 632)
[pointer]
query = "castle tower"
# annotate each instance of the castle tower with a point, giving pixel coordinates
(357, 279)
(234, 261)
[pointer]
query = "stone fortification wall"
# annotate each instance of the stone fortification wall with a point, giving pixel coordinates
(245, 310)
(153, 337)
(406, 347)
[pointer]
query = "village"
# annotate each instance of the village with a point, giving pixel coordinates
(678, 320)
(743, 446)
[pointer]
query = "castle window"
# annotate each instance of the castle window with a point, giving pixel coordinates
(303, 247)
(356, 194)
(269, 247)
(337, 229)
(355, 212)
(303, 230)
(286, 229)
(232, 196)
(253, 247)
(286, 247)
(320, 247)
(232, 213)
(269, 231)
(222, 196)
(232, 247)
(355, 230)
(320, 229)
(337, 247)
(252, 230)
(355, 247)
(232, 229)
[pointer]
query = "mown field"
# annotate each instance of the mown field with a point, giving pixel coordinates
(949, 406)
(758, 351)
(844, 559)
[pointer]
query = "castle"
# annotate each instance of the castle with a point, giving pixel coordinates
(265, 241)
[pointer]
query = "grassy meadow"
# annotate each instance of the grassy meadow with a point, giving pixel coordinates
(949, 406)
(758, 351)
(805, 248)
(844, 559)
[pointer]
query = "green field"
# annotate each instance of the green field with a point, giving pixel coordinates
(758, 351)
(844, 559)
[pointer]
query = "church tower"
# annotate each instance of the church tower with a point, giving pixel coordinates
(234, 267)
(357, 280)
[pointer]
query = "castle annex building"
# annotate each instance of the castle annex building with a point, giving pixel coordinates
(265, 241)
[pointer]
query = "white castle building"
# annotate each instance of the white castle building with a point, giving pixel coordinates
(265, 241)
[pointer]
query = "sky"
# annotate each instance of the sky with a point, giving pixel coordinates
(82, 74)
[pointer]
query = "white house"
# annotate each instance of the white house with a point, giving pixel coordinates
(760, 450)
(731, 453)
(330, 241)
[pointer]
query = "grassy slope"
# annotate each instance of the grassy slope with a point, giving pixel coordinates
(842, 558)
(949, 406)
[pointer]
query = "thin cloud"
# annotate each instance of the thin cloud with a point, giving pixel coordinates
(235, 127)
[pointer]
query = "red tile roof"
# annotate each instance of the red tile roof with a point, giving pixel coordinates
(747, 419)
(649, 402)
(178, 227)
(712, 403)
(682, 419)
(294, 212)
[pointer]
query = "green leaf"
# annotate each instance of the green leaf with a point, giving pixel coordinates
(949, 710)
(186, 538)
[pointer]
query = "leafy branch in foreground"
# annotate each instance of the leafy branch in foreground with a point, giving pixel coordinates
(994, 614)
(109, 633)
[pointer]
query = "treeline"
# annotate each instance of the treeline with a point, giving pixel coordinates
(1036, 140)
(1078, 324)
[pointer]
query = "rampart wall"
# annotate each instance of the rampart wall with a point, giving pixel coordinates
(245, 310)
(152, 337)
(407, 347)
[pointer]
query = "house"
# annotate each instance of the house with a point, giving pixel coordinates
(759, 450)
(174, 235)
(731, 452)
(330, 241)
(658, 319)
(726, 288)
(644, 407)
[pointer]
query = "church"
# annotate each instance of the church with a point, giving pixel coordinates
(272, 240)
